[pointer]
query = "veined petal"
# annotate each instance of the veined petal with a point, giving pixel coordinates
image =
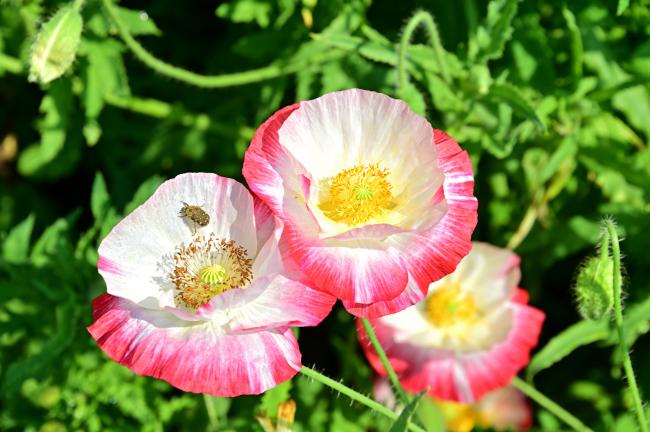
(410, 296)
(193, 356)
(369, 272)
(270, 302)
(131, 257)
(420, 225)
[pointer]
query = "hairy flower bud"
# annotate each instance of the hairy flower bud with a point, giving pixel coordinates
(594, 287)
(55, 46)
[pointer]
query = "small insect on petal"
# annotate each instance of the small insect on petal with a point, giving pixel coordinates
(196, 214)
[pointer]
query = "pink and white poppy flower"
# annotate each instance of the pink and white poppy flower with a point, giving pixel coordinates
(203, 301)
(376, 203)
(471, 335)
(504, 409)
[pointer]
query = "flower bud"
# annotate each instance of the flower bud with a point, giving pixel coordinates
(594, 287)
(55, 46)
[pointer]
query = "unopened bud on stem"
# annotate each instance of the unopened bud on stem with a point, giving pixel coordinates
(594, 288)
(56, 44)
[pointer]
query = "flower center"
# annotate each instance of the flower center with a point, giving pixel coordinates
(207, 267)
(356, 195)
(449, 305)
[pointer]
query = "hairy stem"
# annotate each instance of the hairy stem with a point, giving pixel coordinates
(618, 314)
(210, 81)
(549, 405)
(392, 376)
(356, 396)
(425, 19)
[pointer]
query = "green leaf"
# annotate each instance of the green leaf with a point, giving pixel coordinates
(100, 201)
(510, 95)
(15, 248)
(410, 94)
(577, 52)
(579, 334)
(567, 149)
(272, 398)
(53, 240)
(622, 6)
(402, 421)
(104, 74)
(490, 39)
(58, 151)
(246, 11)
(138, 22)
(146, 189)
(40, 363)
(370, 50)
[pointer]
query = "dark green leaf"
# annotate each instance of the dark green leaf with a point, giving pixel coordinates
(579, 334)
(401, 423)
(15, 248)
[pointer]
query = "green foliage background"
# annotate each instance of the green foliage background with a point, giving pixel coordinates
(551, 99)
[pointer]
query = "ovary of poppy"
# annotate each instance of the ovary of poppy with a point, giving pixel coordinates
(471, 335)
(376, 203)
(205, 307)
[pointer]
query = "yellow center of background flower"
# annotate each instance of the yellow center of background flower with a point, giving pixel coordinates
(356, 195)
(449, 305)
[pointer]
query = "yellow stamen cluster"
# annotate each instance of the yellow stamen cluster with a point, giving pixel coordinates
(356, 195)
(207, 267)
(449, 305)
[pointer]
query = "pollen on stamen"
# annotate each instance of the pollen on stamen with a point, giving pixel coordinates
(207, 267)
(356, 195)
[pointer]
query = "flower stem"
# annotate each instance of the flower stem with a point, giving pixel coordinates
(426, 19)
(524, 227)
(551, 406)
(392, 376)
(356, 396)
(210, 81)
(212, 414)
(618, 311)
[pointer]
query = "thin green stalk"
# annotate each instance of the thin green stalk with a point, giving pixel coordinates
(425, 19)
(209, 81)
(618, 312)
(356, 396)
(212, 413)
(525, 225)
(392, 376)
(550, 406)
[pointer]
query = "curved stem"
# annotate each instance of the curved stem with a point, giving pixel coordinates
(208, 81)
(551, 406)
(618, 311)
(524, 227)
(392, 376)
(425, 19)
(356, 396)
